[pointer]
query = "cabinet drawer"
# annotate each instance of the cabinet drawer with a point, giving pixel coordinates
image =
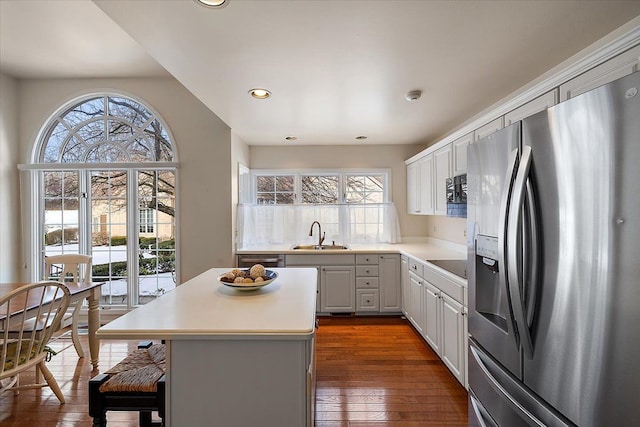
(319, 259)
(367, 300)
(415, 267)
(367, 270)
(366, 282)
(448, 286)
(366, 259)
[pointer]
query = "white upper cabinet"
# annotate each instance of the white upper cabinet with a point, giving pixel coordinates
(460, 154)
(442, 159)
(615, 68)
(426, 166)
(541, 103)
(420, 186)
(413, 188)
(488, 129)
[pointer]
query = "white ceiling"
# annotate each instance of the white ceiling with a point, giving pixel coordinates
(337, 69)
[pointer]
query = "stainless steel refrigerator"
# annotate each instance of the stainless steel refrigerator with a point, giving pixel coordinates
(554, 265)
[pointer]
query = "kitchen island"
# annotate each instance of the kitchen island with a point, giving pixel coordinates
(234, 358)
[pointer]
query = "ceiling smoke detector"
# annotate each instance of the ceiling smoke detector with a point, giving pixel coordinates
(413, 95)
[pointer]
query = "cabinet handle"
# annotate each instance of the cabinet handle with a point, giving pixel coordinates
(368, 283)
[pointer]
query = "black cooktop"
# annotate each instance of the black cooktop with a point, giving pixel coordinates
(455, 266)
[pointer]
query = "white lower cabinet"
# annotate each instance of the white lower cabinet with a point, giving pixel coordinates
(416, 312)
(433, 315)
(404, 282)
(452, 347)
(390, 283)
(337, 289)
(434, 304)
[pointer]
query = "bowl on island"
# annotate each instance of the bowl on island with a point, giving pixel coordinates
(242, 280)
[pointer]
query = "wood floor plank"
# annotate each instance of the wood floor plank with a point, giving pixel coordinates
(371, 372)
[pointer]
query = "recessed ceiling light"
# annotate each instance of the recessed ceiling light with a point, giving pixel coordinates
(259, 93)
(291, 138)
(213, 3)
(413, 95)
(361, 138)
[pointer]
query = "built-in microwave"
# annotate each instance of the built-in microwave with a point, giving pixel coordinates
(457, 196)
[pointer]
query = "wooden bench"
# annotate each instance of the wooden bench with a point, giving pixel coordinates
(135, 384)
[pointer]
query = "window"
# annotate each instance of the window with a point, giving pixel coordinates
(106, 174)
(352, 206)
(275, 190)
(146, 221)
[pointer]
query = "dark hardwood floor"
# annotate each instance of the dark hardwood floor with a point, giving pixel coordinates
(371, 371)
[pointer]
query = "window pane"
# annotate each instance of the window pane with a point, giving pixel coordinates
(107, 153)
(72, 151)
(266, 199)
(284, 183)
(364, 189)
(84, 111)
(129, 110)
(320, 189)
(92, 132)
(284, 198)
(156, 238)
(265, 183)
(119, 131)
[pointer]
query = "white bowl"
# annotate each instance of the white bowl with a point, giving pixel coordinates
(269, 274)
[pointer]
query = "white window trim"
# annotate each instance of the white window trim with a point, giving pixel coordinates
(342, 173)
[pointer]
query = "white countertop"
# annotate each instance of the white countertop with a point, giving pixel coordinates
(204, 308)
(420, 249)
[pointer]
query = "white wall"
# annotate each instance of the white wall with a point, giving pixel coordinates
(203, 144)
(10, 241)
(350, 156)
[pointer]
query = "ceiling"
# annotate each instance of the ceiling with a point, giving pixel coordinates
(336, 69)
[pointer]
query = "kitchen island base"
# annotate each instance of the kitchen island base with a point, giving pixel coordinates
(266, 383)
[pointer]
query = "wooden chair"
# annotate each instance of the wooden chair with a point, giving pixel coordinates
(74, 268)
(23, 341)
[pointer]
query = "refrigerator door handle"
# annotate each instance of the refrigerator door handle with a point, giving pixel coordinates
(514, 273)
(503, 247)
(483, 417)
(533, 244)
(501, 391)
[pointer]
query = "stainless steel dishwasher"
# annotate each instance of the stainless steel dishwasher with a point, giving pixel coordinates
(268, 260)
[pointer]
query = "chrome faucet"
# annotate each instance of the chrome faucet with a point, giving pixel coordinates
(320, 233)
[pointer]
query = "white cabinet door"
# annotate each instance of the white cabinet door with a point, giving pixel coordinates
(337, 289)
(432, 307)
(460, 154)
(389, 282)
(541, 103)
(416, 315)
(442, 159)
(426, 185)
(413, 188)
(404, 279)
(453, 337)
(487, 129)
(615, 68)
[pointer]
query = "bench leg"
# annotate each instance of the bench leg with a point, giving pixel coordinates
(100, 421)
(145, 418)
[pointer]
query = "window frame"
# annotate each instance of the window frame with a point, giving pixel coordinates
(342, 181)
(32, 187)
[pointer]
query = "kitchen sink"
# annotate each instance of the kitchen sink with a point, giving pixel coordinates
(320, 247)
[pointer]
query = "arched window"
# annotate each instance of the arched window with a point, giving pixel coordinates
(105, 168)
